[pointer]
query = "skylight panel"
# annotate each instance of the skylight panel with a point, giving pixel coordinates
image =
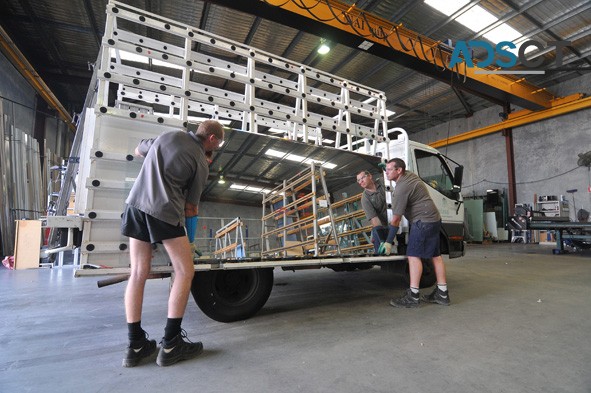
(476, 19)
(506, 33)
(446, 7)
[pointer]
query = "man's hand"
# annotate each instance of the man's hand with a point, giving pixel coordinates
(385, 248)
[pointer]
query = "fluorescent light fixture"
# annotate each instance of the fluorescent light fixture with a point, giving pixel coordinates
(326, 165)
(300, 159)
(275, 153)
(243, 188)
(295, 157)
(200, 119)
(276, 131)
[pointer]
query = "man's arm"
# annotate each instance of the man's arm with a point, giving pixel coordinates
(191, 218)
(375, 222)
(143, 147)
(393, 229)
(191, 210)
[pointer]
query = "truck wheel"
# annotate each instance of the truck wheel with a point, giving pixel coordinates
(232, 295)
(428, 278)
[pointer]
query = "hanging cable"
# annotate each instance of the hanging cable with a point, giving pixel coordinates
(525, 182)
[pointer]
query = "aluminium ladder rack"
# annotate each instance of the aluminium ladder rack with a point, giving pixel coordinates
(225, 246)
(306, 191)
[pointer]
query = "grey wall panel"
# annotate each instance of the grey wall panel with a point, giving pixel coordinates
(546, 152)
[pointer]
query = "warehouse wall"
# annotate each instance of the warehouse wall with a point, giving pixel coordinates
(212, 216)
(17, 97)
(20, 108)
(546, 152)
(19, 105)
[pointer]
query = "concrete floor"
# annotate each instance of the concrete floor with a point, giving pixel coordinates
(520, 322)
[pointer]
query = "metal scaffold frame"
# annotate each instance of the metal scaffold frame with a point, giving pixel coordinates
(173, 74)
(183, 84)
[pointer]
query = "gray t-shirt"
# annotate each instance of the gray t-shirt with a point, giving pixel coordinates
(374, 204)
(411, 199)
(174, 171)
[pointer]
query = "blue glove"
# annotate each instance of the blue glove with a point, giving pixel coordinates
(392, 231)
(191, 227)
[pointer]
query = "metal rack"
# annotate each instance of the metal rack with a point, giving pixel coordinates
(285, 205)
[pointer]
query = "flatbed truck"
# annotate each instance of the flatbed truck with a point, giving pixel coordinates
(154, 75)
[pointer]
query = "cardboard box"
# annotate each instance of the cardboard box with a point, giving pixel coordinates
(27, 244)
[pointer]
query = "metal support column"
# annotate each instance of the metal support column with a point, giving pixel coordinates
(510, 154)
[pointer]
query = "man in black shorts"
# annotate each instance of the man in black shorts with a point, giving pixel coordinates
(411, 199)
(163, 200)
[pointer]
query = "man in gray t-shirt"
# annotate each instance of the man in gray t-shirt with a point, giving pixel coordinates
(373, 202)
(165, 196)
(411, 198)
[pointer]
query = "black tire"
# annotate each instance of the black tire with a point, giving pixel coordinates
(428, 278)
(232, 295)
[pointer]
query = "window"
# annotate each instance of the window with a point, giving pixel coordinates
(435, 172)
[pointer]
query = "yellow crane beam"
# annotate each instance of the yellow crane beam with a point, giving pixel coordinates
(559, 107)
(415, 51)
(28, 72)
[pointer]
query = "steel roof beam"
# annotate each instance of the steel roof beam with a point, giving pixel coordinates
(47, 42)
(92, 20)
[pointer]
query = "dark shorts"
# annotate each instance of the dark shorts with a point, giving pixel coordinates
(139, 225)
(423, 240)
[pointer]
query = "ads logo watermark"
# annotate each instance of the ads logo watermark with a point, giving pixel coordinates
(500, 56)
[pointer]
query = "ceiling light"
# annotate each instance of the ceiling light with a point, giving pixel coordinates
(323, 48)
(365, 45)
(221, 180)
(300, 159)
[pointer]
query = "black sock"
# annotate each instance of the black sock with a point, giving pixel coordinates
(135, 333)
(172, 329)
